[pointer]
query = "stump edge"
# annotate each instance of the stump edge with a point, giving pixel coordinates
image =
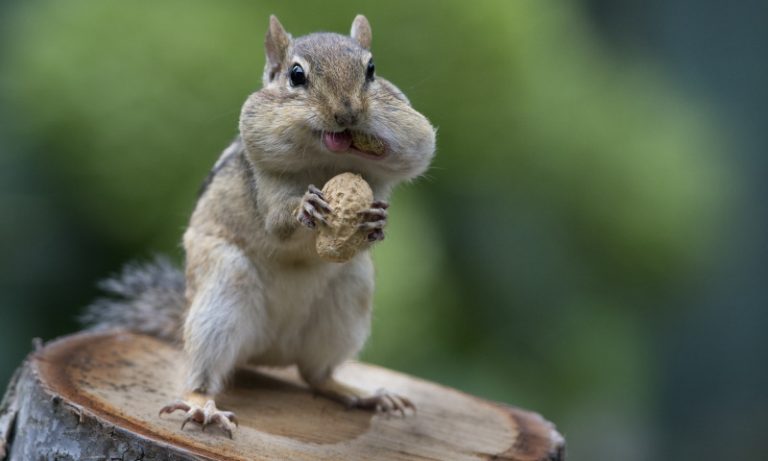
(528, 422)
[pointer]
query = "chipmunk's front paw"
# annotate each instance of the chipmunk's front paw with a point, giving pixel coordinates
(312, 208)
(374, 220)
(203, 416)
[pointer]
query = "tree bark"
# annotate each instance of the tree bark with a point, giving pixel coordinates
(96, 396)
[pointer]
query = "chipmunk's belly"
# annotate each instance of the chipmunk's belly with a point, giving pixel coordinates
(292, 296)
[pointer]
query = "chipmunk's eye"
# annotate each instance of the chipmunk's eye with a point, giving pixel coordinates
(370, 70)
(298, 77)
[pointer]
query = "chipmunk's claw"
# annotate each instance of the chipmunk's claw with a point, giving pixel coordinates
(203, 416)
(374, 220)
(313, 208)
(376, 235)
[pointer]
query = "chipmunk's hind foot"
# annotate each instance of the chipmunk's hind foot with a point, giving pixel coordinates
(203, 416)
(386, 403)
(383, 401)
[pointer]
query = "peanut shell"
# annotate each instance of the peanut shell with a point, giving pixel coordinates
(347, 194)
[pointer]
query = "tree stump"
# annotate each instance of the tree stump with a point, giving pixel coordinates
(96, 396)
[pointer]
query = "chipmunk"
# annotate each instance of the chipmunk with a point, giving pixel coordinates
(254, 290)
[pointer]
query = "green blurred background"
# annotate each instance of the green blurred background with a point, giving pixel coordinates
(589, 243)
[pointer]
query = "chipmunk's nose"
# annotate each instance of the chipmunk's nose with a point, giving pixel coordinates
(346, 119)
(347, 115)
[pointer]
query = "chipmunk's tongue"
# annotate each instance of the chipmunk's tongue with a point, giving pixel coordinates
(337, 142)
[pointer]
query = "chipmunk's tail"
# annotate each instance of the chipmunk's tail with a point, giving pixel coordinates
(145, 298)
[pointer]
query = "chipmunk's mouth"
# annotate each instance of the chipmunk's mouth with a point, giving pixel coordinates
(356, 142)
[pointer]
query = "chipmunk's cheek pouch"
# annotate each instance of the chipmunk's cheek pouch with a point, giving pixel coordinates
(337, 141)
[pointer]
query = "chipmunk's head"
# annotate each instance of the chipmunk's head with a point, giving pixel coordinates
(322, 104)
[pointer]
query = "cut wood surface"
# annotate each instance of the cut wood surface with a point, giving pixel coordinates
(96, 396)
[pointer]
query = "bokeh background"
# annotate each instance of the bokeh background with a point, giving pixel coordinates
(590, 242)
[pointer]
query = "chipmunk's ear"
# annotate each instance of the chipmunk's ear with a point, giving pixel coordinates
(361, 31)
(276, 45)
